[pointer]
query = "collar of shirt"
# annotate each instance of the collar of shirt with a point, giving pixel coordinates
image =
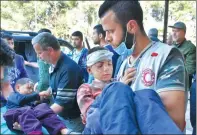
(121, 49)
(98, 84)
(77, 54)
(54, 67)
(106, 45)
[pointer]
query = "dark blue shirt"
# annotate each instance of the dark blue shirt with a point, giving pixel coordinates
(65, 79)
(17, 100)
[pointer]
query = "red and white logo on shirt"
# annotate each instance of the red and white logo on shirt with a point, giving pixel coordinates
(148, 77)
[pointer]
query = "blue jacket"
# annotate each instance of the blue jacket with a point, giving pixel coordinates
(119, 110)
(17, 100)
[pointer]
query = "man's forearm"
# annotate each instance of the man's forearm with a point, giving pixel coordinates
(32, 64)
(177, 118)
(174, 102)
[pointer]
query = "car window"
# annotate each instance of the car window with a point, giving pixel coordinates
(65, 46)
(65, 49)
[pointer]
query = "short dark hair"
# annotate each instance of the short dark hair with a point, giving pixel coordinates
(7, 36)
(44, 30)
(6, 54)
(78, 34)
(124, 11)
(99, 29)
(23, 81)
(94, 49)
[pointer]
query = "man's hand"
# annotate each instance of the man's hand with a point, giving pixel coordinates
(32, 64)
(26, 62)
(17, 126)
(129, 76)
(35, 87)
(44, 94)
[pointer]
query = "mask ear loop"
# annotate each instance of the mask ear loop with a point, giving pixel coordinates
(125, 39)
(134, 41)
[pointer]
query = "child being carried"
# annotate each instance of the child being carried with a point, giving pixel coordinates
(22, 110)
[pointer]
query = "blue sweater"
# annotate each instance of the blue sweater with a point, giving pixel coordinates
(17, 100)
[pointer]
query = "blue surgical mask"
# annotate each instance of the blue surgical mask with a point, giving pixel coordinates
(127, 44)
(121, 48)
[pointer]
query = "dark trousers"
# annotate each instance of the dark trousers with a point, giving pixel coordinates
(193, 106)
(32, 119)
(122, 111)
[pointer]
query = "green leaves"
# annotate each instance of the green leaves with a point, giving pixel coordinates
(64, 17)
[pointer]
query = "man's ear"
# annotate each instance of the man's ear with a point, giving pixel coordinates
(50, 49)
(89, 70)
(17, 86)
(132, 26)
(100, 36)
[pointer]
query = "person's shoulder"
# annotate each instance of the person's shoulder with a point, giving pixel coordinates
(160, 47)
(12, 96)
(65, 58)
(164, 47)
(84, 52)
(165, 50)
(190, 44)
(17, 56)
(85, 85)
(68, 63)
(85, 49)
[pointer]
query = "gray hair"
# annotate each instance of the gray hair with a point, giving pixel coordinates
(45, 40)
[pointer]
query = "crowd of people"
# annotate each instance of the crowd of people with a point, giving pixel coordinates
(131, 83)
